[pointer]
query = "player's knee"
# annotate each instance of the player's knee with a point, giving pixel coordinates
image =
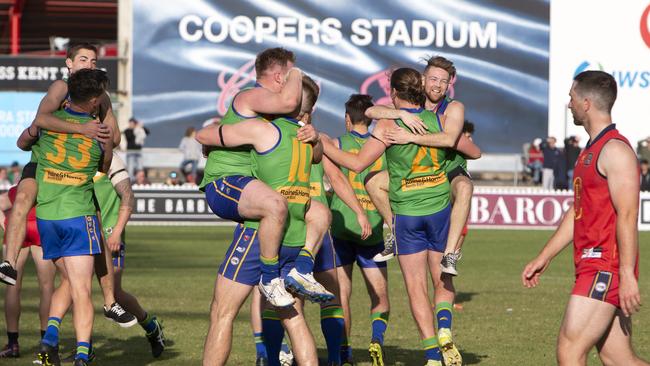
(277, 208)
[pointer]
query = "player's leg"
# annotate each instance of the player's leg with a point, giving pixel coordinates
(113, 310)
(615, 347)
(375, 275)
(345, 258)
(412, 247)
(301, 279)
(302, 341)
(331, 313)
(376, 185)
(256, 326)
(229, 296)
(45, 271)
(238, 198)
(585, 322)
(12, 307)
(61, 301)
(80, 273)
(461, 193)
(148, 322)
(15, 236)
(238, 273)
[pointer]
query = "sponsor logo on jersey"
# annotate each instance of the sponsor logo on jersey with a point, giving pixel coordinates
(592, 253)
(295, 194)
(56, 176)
(588, 158)
(426, 181)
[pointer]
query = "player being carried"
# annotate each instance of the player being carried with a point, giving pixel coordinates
(602, 223)
(438, 75)
(230, 188)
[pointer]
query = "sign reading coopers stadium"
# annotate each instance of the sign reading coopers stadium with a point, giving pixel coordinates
(492, 208)
(36, 73)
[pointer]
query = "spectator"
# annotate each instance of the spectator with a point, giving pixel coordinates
(141, 177)
(14, 173)
(571, 152)
(645, 175)
(135, 136)
(191, 154)
(552, 157)
(173, 179)
(536, 160)
(643, 149)
(4, 177)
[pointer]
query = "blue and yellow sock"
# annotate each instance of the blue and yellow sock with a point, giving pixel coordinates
(379, 326)
(305, 261)
(273, 333)
(346, 348)
(270, 268)
(148, 324)
(431, 349)
(51, 337)
(83, 348)
(443, 315)
(332, 325)
(260, 349)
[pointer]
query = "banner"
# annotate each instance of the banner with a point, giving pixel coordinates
(191, 58)
(624, 53)
(17, 111)
(36, 73)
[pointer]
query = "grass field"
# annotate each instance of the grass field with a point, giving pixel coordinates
(172, 269)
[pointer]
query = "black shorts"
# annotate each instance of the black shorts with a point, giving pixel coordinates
(459, 170)
(29, 171)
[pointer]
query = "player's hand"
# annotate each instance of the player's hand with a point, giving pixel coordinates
(532, 272)
(413, 122)
(628, 293)
(308, 134)
(113, 241)
(96, 130)
(366, 228)
(398, 136)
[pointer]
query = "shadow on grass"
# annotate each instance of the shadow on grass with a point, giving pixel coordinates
(464, 297)
(396, 355)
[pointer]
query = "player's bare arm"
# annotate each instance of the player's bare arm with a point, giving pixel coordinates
(560, 240)
(309, 135)
(412, 121)
(106, 115)
(263, 101)
(51, 102)
(344, 191)
(370, 152)
(262, 135)
(619, 164)
(127, 203)
(27, 138)
(107, 156)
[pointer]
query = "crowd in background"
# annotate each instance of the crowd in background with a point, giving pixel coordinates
(552, 167)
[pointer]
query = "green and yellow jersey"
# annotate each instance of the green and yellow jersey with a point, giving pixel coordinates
(418, 185)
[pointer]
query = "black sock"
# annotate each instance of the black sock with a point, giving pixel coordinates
(13, 337)
(42, 333)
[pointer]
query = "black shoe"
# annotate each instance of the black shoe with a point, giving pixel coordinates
(262, 361)
(49, 356)
(70, 358)
(8, 274)
(10, 351)
(157, 339)
(80, 362)
(120, 316)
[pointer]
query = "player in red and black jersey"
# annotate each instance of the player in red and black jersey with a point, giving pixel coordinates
(603, 227)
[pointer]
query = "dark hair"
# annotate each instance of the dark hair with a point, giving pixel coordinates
(86, 84)
(74, 50)
(643, 161)
(312, 89)
(407, 83)
(189, 131)
(468, 127)
(356, 107)
(271, 57)
(599, 85)
(443, 63)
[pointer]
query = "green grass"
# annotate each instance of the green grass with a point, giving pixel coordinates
(172, 270)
